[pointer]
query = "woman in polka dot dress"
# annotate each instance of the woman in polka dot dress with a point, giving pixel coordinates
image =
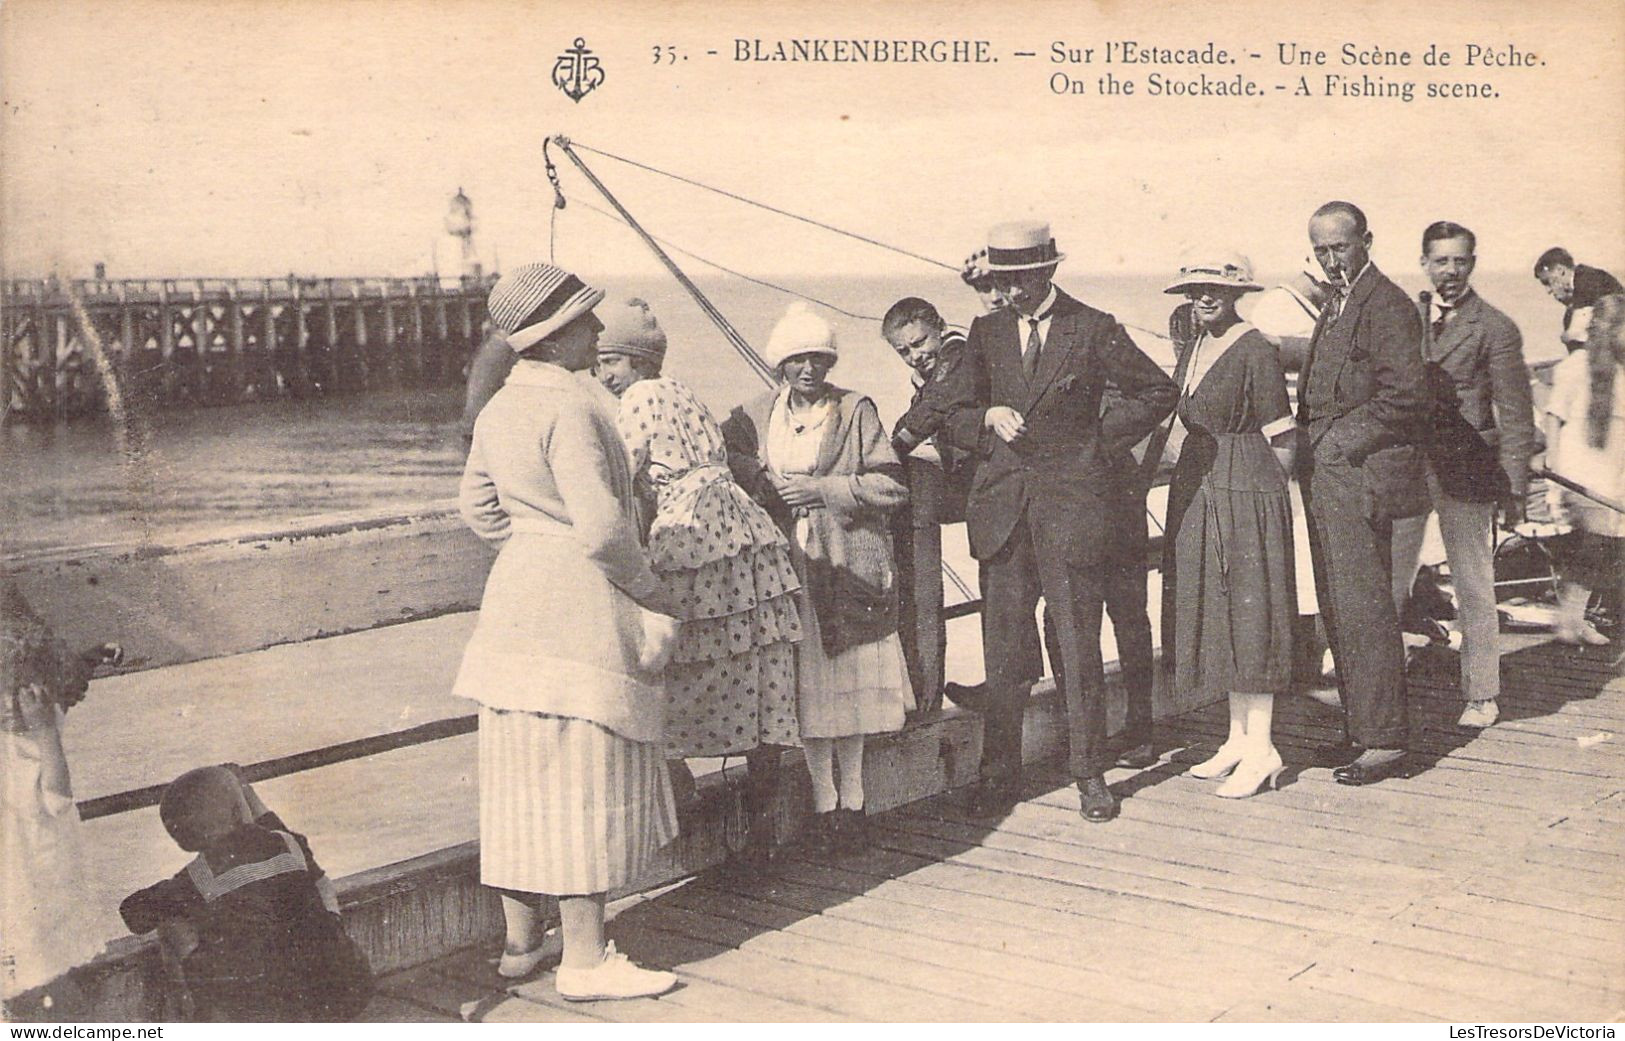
(731, 683)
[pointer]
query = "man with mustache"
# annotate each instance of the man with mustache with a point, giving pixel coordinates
(1483, 436)
(1363, 409)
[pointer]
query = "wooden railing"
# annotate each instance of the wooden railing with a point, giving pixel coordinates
(221, 340)
(163, 602)
(185, 601)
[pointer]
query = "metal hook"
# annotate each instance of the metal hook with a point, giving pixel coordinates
(553, 173)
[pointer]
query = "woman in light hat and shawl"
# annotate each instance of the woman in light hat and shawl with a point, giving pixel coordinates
(819, 459)
(731, 683)
(1229, 597)
(565, 659)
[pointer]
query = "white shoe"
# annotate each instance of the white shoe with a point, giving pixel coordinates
(614, 977)
(1249, 777)
(518, 966)
(1222, 762)
(1479, 714)
(1580, 632)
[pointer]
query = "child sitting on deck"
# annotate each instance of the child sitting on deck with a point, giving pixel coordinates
(252, 920)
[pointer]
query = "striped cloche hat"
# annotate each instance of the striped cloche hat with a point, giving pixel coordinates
(532, 302)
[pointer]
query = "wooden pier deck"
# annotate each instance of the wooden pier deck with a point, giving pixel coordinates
(1486, 887)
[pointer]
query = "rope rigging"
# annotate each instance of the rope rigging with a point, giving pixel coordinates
(786, 290)
(737, 341)
(768, 207)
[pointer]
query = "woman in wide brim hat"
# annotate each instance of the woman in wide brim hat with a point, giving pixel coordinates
(817, 457)
(564, 660)
(731, 683)
(1229, 598)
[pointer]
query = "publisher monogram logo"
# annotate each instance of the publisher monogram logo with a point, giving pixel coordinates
(578, 71)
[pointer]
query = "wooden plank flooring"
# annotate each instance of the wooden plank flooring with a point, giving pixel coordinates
(1485, 887)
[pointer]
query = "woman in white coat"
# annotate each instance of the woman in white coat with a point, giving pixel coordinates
(566, 658)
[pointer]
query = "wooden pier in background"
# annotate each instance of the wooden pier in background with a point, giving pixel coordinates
(213, 341)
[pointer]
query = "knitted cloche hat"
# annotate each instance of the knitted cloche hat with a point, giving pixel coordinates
(630, 329)
(801, 331)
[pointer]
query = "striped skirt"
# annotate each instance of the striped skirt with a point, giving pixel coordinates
(568, 807)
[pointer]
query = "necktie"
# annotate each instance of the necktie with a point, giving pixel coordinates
(1029, 357)
(1438, 323)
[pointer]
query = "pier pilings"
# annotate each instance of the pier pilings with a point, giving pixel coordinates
(219, 341)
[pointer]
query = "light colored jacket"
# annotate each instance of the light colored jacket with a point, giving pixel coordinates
(560, 629)
(847, 563)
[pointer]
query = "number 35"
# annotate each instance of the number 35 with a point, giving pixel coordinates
(668, 54)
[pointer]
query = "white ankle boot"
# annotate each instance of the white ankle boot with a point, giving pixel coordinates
(1260, 763)
(1222, 762)
(1234, 747)
(1252, 774)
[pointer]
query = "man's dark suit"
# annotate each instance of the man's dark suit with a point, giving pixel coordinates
(1483, 418)
(1040, 511)
(1363, 411)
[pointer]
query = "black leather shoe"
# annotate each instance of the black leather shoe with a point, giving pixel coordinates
(993, 797)
(1096, 801)
(1141, 756)
(819, 836)
(851, 831)
(1373, 765)
(973, 698)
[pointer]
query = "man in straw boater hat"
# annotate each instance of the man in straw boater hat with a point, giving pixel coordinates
(1027, 400)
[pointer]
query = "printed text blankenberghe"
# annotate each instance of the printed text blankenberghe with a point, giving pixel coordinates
(836, 51)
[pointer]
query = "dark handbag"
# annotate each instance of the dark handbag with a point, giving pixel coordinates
(855, 610)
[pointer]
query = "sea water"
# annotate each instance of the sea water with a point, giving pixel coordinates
(205, 468)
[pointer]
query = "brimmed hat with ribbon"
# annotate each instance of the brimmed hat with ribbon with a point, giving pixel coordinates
(1021, 245)
(801, 331)
(1231, 270)
(532, 302)
(630, 329)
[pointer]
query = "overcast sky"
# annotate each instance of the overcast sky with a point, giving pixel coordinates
(261, 136)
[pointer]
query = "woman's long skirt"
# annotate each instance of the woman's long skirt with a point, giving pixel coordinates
(568, 807)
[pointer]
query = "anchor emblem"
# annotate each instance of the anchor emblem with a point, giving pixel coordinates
(577, 71)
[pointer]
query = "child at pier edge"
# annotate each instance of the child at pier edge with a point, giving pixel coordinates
(252, 920)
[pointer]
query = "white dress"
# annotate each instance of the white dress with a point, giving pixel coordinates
(863, 690)
(43, 919)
